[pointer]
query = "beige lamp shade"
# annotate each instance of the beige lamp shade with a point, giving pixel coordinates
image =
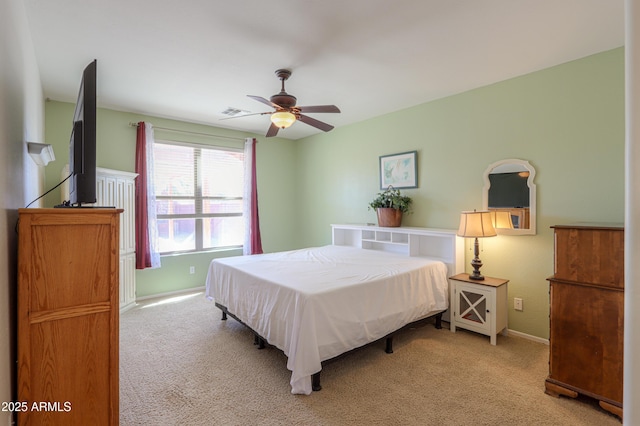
(501, 219)
(283, 119)
(476, 224)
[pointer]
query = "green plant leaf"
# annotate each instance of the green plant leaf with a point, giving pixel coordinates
(391, 198)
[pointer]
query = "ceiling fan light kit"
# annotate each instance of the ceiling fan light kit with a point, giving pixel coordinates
(286, 112)
(283, 119)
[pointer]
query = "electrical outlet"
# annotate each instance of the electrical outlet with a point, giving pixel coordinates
(192, 269)
(517, 303)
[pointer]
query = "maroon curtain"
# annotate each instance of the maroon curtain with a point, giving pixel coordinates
(143, 252)
(256, 241)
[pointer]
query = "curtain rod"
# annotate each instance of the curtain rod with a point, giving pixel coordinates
(131, 124)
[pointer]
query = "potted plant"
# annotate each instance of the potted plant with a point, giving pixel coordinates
(389, 206)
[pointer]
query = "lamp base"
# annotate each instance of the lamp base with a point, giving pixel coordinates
(476, 263)
(476, 276)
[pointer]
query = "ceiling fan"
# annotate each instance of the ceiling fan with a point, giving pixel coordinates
(286, 112)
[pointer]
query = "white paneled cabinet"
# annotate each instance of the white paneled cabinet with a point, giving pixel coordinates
(115, 188)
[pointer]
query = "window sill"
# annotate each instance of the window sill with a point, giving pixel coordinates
(214, 250)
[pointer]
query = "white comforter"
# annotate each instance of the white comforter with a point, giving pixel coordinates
(317, 303)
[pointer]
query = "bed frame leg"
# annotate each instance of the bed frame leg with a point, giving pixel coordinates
(257, 340)
(439, 321)
(389, 345)
(224, 316)
(315, 382)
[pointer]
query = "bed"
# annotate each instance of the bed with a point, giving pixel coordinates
(318, 303)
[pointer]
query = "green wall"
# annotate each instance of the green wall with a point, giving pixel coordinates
(116, 150)
(567, 121)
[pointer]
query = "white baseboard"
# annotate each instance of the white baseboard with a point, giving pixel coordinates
(170, 293)
(528, 337)
(124, 309)
(520, 334)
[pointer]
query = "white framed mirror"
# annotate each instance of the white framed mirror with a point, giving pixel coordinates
(510, 194)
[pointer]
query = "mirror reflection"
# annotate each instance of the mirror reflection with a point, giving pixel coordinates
(509, 193)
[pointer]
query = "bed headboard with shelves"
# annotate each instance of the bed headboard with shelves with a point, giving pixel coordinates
(441, 244)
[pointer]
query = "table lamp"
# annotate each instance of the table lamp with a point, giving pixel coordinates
(476, 225)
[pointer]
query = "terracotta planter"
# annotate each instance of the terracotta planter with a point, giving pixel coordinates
(389, 217)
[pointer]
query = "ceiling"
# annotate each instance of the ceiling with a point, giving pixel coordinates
(190, 60)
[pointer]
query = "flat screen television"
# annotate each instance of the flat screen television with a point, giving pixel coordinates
(82, 144)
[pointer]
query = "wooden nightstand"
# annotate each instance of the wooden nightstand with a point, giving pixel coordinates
(479, 306)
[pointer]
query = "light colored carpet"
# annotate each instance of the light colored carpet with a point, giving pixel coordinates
(181, 365)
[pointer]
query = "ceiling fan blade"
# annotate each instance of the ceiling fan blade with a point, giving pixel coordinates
(315, 123)
(319, 108)
(245, 115)
(273, 130)
(264, 101)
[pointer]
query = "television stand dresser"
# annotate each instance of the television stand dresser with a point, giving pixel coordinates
(68, 316)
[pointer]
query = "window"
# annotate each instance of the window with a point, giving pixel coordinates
(198, 197)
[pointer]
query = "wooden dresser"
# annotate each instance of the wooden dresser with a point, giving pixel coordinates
(587, 314)
(68, 316)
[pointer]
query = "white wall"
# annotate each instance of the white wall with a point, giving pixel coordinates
(632, 230)
(21, 120)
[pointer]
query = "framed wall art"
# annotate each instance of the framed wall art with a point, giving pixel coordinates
(399, 170)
